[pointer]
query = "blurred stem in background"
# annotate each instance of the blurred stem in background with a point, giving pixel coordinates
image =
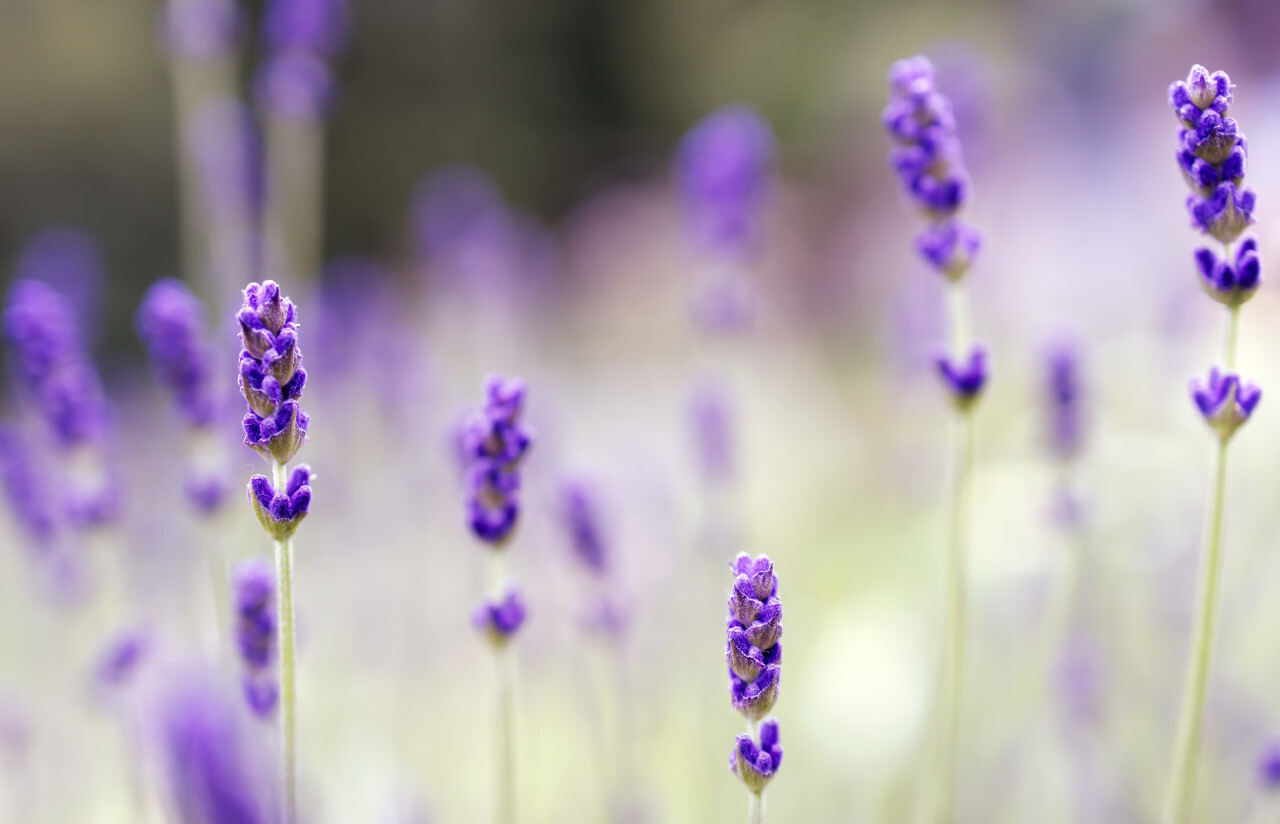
(504, 669)
(285, 640)
(295, 158)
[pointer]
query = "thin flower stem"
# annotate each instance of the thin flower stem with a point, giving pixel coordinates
(1181, 789)
(296, 155)
(953, 655)
(1233, 335)
(288, 694)
(504, 752)
(755, 808)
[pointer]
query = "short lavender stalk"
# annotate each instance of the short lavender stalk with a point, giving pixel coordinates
(1212, 158)
(754, 655)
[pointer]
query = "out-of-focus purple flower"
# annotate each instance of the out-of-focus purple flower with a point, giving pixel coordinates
(1064, 401)
(69, 260)
(315, 27)
(927, 158)
(712, 415)
(120, 660)
(756, 765)
(582, 519)
(722, 170)
(1231, 283)
(964, 379)
(171, 325)
(500, 618)
(1269, 766)
(24, 485)
(752, 650)
(295, 85)
(199, 29)
(205, 490)
(280, 512)
(495, 443)
(271, 375)
(53, 369)
(1225, 401)
(354, 291)
(1212, 155)
(211, 775)
(253, 581)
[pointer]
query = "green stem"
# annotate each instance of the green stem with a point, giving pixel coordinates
(296, 158)
(1181, 790)
(1233, 335)
(953, 655)
(755, 808)
(288, 693)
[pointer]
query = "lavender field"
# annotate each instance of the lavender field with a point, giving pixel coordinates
(432, 411)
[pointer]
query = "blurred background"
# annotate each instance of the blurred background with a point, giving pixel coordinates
(500, 195)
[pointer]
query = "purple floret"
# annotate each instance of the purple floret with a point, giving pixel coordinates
(500, 619)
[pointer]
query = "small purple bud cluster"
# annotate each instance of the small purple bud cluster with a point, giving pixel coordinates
(722, 170)
(1064, 402)
(254, 584)
(1212, 155)
(500, 618)
(199, 30)
(299, 36)
(280, 512)
(927, 158)
(754, 655)
(171, 326)
(494, 444)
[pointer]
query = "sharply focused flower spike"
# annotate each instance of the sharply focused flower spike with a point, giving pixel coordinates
(253, 582)
(754, 655)
(1212, 154)
(722, 169)
(280, 512)
(271, 375)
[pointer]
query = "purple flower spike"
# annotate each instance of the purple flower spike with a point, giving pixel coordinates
(494, 443)
(1064, 402)
(1212, 154)
(756, 765)
(253, 582)
(53, 369)
(1231, 283)
(280, 512)
(752, 650)
(1269, 766)
(316, 27)
(271, 375)
(296, 85)
(24, 486)
(1225, 401)
(927, 158)
(722, 169)
(712, 412)
(582, 518)
(199, 30)
(120, 660)
(500, 619)
(964, 380)
(170, 323)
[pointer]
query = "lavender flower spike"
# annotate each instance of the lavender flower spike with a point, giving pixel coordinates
(271, 375)
(170, 324)
(1064, 413)
(722, 172)
(582, 518)
(754, 654)
(1225, 401)
(494, 443)
(253, 581)
(1212, 155)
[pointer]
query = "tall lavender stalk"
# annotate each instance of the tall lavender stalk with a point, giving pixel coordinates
(754, 654)
(1212, 155)
(927, 159)
(271, 381)
(495, 443)
(295, 87)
